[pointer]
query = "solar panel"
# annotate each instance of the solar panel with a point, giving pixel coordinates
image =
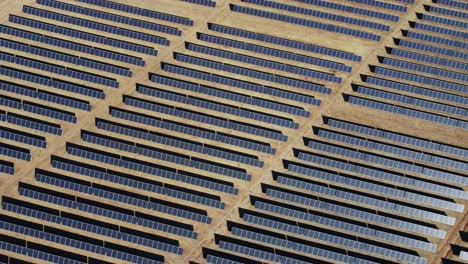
(7, 167)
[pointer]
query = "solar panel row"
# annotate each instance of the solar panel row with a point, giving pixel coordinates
(96, 26)
(305, 22)
(205, 118)
(283, 42)
(231, 95)
(412, 101)
(408, 112)
(129, 216)
(191, 130)
(219, 107)
(45, 96)
(352, 9)
(233, 82)
(83, 35)
(38, 109)
(320, 14)
(94, 226)
(137, 182)
(111, 17)
(273, 52)
(140, 11)
(208, 3)
(178, 142)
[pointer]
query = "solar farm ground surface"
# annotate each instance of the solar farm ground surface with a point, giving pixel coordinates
(332, 106)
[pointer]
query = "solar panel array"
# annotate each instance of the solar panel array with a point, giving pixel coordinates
(233, 131)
